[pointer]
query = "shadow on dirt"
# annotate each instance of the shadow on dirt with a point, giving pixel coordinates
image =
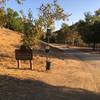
(84, 53)
(24, 89)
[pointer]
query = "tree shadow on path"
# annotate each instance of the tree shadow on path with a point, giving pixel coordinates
(24, 89)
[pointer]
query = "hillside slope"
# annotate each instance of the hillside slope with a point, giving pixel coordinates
(9, 41)
(67, 80)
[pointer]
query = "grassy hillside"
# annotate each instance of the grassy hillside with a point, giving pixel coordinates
(67, 80)
(9, 41)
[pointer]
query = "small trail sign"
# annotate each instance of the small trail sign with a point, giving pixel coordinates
(24, 54)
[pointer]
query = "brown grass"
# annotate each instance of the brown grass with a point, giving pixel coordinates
(67, 79)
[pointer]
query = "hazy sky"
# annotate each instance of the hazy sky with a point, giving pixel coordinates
(76, 7)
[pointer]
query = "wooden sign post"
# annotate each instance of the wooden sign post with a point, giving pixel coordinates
(24, 54)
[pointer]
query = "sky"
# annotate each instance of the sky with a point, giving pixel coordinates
(75, 7)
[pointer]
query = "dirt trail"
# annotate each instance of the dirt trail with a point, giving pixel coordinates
(92, 64)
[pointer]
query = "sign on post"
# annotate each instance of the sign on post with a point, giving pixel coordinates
(25, 54)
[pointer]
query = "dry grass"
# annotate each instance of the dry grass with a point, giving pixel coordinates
(67, 79)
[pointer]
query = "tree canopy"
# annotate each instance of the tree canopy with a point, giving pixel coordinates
(49, 13)
(83, 31)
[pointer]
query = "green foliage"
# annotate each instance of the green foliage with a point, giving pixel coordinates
(86, 30)
(62, 33)
(68, 34)
(51, 12)
(2, 17)
(89, 29)
(96, 30)
(88, 17)
(18, 1)
(97, 12)
(83, 29)
(32, 31)
(93, 27)
(48, 14)
(28, 31)
(73, 37)
(13, 21)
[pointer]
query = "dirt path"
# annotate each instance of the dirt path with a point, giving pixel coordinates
(91, 63)
(67, 80)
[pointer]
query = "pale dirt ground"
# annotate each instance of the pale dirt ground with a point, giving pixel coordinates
(67, 79)
(92, 62)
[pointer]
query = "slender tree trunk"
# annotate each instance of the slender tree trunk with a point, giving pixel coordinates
(94, 45)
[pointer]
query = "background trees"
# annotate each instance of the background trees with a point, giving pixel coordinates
(84, 31)
(2, 17)
(13, 20)
(18, 1)
(49, 13)
(62, 34)
(90, 30)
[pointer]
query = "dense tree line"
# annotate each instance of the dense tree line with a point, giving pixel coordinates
(89, 29)
(10, 19)
(85, 31)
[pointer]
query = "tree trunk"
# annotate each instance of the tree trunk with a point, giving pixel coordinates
(94, 45)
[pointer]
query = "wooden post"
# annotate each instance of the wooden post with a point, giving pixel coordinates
(18, 63)
(30, 65)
